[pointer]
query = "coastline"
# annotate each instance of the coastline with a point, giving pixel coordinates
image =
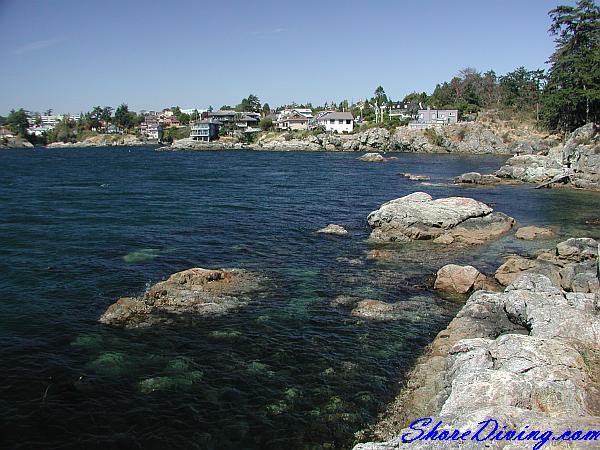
(507, 356)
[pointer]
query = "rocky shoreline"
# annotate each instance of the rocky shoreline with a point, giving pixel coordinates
(469, 137)
(529, 355)
(575, 164)
(117, 140)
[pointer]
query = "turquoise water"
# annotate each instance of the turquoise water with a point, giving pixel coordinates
(80, 228)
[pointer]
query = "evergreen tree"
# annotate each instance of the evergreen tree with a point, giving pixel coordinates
(572, 94)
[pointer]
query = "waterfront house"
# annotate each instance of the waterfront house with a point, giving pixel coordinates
(236, 122)
(336, 121)
(400, 110)
(151, 128)
(427, 118)
(292, 120)
(205, 130)
(113, 129)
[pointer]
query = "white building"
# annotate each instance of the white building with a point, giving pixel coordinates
(335, 121)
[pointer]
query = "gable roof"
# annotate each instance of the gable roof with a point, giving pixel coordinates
(337, 115)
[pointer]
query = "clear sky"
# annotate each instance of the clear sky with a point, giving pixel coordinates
(71, 55)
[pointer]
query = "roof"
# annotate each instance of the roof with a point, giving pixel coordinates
(222, 113)
(205, 122)
(337, 115)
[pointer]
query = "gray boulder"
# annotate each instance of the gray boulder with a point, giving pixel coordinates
(417, 216)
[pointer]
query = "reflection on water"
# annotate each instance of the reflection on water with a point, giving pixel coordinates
(82, 228)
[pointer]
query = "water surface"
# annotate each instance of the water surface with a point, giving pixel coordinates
(80, 228)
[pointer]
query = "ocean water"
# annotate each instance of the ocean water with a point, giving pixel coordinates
(80, 228)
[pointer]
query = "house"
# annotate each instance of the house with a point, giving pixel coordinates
(236, 122)
(335, 121)
(113, 129)
(292, 120)
(204, 130)
(247, 123)
(151, 128)
(400, 110)
(427, 118)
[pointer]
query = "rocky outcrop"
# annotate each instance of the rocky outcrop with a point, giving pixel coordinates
(104, 140)
(574, 164)
(333, 228)
(14, 142)
(418, 217)
(527, 356)
(372, 157)
(476, 178)
(458, 138)
(530, 233)
(193, 292)
(571, 266)
(191, 144)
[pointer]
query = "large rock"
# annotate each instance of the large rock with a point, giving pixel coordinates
(375, 310)
(333, 228)
(515, 266)
(525, 356)
(192, 292)
(372, 157)
(456, 279)
(476, 178)
(417, 216)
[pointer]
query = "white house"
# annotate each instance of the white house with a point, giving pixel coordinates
(335, 121)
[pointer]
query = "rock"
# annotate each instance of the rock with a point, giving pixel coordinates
(372, 157)
(334, 229)
(418, 216)
(528, 355)
(445, 239)
(478, 230)
(345, 300)
(193, 292)
(413, 177)
(15, 142)
(375, 310)
(577, 249)
(456, 279)
(530, 233)
(515, 266)
(380, 254)
(104, 140)
(476, 178)
(531, 168)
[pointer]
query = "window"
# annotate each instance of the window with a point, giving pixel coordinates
(331, 121)
(451, 114)
(348, 122)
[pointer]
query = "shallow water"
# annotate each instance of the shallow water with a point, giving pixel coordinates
(80, 228)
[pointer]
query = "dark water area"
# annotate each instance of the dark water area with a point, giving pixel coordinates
(81, 228)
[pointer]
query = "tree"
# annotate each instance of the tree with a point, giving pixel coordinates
(123, 117)
(64, 131)
(380, 96)
(572, 93)
(17, 122)
(249, 104)
(266, 123)
(266, 109)
(106, 114)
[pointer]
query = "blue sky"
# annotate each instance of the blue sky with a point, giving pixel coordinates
(71, 55)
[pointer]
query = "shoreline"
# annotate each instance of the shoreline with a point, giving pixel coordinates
(537, 334)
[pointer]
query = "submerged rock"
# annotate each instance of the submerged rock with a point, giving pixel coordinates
(417, 216)
(376, 310)
(198, 292)
(531, 233)
(332, 228)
